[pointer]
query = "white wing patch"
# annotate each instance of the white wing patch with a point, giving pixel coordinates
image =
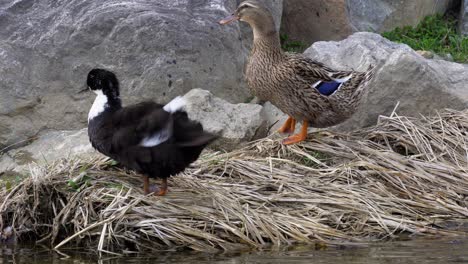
(157, 138)
(247, 4)
(343, 80)
(99, 105)
(175, 105)
(164, 134)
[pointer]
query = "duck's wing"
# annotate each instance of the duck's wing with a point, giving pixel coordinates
(149, 124)
(317, 75)
(131, 114)
(146, 124)
(309, 69)
(189, 133)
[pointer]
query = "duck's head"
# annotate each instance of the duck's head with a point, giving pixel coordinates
(254, 13)
(106, 86)
(103, 81)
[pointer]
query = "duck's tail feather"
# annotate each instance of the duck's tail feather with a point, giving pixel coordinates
(177, 104)
(201, 140)
(189, 133)
(365, 78)
(369, 74)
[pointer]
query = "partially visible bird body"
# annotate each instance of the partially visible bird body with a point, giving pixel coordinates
(301, 87)
(120, 134)
(292, 83)
(155, 140)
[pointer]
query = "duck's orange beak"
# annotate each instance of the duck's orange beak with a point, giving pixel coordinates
(229, 19)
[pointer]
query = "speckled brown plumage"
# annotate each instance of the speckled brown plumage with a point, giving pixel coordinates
(287, 79)
(287, 82)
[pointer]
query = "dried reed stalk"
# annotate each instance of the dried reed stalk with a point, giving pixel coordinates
(402, 175)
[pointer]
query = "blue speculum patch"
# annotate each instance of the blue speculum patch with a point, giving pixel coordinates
(328, 88)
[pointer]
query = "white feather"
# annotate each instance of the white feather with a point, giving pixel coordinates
(343, 80)
(164, 134)
(245, 4)
(157, 138)
(175, 105)
(99, 105)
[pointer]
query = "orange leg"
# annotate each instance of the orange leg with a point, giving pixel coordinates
(289, 126)
(146, 185)
(298, 137)
(293, 126)
(163, 189)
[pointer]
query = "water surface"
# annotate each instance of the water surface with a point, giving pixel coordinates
(418, 251)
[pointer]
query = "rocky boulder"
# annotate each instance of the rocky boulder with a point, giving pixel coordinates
(47, 148)
(235, 123)
(310, 21)
(385, 15)
(419, 85)
(274, 117)
(158, 49)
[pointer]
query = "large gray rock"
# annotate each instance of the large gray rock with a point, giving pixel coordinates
(464, 18)
(310, 21)
(420, 85)
(159, 49)
(47, 148)
(273, 117)
(385, 15)
(235, 123)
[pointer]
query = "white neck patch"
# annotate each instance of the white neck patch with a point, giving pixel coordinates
(99, 105)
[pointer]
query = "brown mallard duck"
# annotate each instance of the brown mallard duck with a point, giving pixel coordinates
(301, 87)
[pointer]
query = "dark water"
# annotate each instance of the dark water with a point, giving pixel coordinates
(414, 251)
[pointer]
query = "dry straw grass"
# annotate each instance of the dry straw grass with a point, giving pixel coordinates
(403, 175)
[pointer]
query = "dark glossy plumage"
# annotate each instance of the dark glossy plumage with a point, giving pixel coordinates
(145, 137)
(118, 134)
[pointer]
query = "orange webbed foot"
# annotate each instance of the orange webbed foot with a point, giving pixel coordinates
(298, 137)
(157, 191)
(163, 189)
(293, 139)
(161, 192)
